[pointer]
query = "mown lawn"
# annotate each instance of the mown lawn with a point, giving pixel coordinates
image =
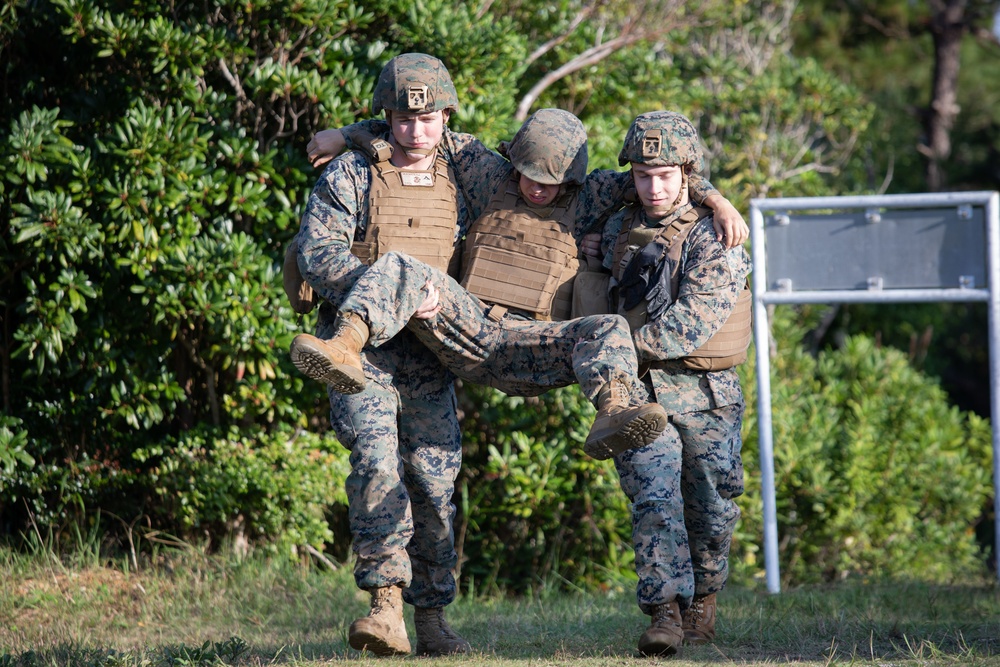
(197, 610)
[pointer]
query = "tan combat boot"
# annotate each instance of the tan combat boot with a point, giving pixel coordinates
(382, 631)
(434, 635)
(698, 620)
(618, 428)
(336, 362)
(664, 635)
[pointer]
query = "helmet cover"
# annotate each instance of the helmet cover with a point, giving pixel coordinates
(662, 138)
(550, 148)
(414, 83)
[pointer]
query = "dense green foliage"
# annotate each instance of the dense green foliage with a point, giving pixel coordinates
(533, 504)
(152, 168)
(876, 473)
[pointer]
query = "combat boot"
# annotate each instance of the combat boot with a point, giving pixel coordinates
(617, 427)
(336, 362)
(382, 631)
(434, 635)
(698, 620)
(664, 635)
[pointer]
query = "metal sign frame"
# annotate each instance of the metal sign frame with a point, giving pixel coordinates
(762, 297)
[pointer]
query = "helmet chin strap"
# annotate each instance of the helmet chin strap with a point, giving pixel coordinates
(420, 152)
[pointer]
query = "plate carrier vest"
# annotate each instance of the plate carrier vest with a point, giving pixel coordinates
(728, 346)
(412, 212)
(521, 258)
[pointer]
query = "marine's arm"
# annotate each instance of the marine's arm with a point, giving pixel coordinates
(730, 227)
(601, 194)
(328, 144)
(337, 203)
(478, 170)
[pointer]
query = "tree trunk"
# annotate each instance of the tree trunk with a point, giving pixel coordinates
(949, 23)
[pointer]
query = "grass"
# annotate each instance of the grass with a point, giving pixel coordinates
(191, 609)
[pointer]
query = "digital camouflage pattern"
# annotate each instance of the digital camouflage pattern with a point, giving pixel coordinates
(406, 451)
(414, 83)
(403, 429)
(662, 138)
(481, 171)
(682, 486)
(519, 357)
(550, 148)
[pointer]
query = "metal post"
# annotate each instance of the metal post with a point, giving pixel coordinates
(993, 264)
(762, 341)
(762, 298)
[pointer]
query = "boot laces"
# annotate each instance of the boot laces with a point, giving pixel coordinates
(663, 613)
(381, 601)
(435, 618)
(619, 393)
(696, 610)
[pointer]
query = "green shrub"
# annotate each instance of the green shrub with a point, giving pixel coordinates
(875, 473)
(249, 487)
(533, 506)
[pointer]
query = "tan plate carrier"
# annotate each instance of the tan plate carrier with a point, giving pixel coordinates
(728, 346)
(523, 258)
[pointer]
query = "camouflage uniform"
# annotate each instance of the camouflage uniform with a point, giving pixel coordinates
(403, 430)
(514, 354)
(518, 356)
(682, 486)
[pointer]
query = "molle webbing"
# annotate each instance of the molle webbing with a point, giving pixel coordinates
(523, 258)
(413, 212)
(727, 347)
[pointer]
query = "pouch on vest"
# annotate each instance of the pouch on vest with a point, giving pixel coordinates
(591, 290)
(728, 346)
(299, 293)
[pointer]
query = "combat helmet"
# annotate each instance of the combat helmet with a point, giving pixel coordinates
(662, 138)
(550, 148)
(414, 83)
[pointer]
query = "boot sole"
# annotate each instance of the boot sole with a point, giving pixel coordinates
(640, 431)
(377, 645)
(433, 653)
(312, 362)
(658, 649)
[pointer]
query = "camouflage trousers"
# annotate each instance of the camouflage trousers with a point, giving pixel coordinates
(682, 488)
(406, 451)
(519, 357)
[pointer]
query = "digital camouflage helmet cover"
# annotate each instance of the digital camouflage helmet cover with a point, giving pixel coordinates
(414, 83)
(661, 138)
(550, 148)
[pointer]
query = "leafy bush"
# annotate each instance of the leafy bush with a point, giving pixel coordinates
(534, 507)
(875, 473)
(246, 488)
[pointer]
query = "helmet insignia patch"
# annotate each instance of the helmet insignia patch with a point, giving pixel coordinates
(651, 144)
(416, 96)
